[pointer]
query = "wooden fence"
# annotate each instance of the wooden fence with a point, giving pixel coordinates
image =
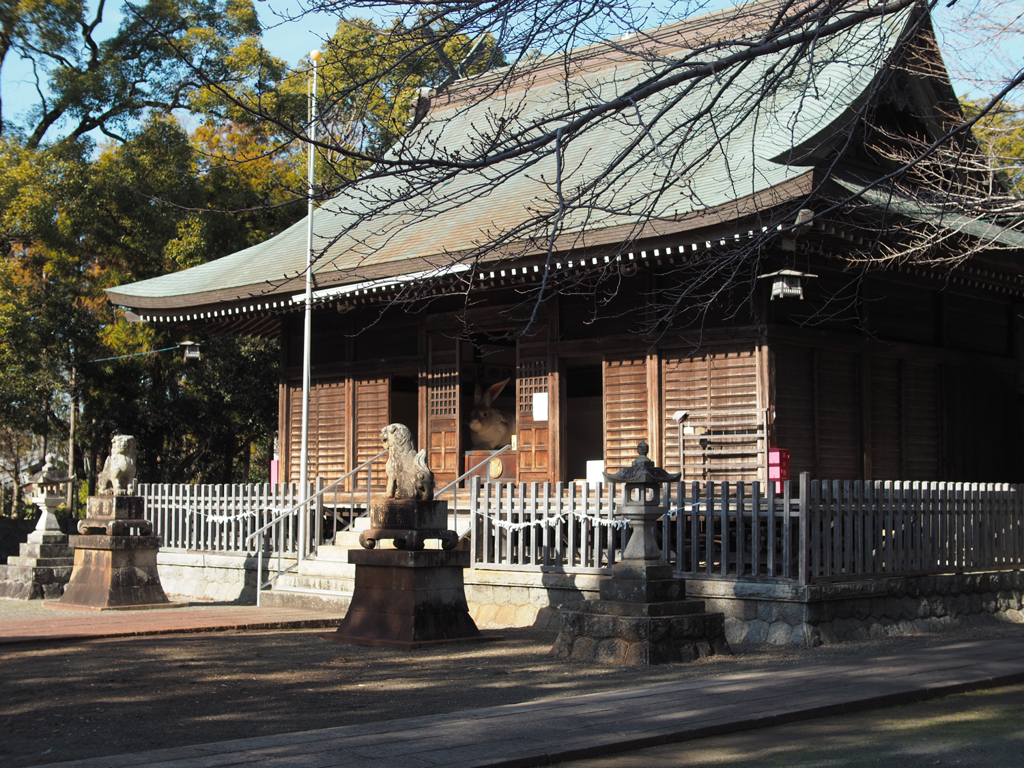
(527, 526)
(219, 518)
(812, 531)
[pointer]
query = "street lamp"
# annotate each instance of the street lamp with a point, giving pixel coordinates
(314, 56)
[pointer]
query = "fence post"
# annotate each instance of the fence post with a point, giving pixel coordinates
(805, 500)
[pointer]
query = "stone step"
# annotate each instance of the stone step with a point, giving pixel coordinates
(42, 574)
(41, 562)
(329, 583)
(337, 552)
(309, 599)
(45, 550)
(328, 569)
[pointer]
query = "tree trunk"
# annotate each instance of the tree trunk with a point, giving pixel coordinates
(230, 451)
(246, 461)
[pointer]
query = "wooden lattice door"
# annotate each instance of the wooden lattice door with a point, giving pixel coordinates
(534, 444)
(444, 411)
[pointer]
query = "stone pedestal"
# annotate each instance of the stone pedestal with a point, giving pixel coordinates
(41, 568)
(407, 599)
(409, 523)
(116, 516)
(642, 618)
(114, 572)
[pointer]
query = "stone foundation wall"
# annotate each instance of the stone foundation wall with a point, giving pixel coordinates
(207, 576)
(779, 614)
(526, 598)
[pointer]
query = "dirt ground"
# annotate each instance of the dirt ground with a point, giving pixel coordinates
(104, 697)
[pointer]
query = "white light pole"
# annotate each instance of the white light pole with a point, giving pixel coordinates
(314, 56)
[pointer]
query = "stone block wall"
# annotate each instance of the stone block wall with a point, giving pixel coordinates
(779, 614)
(218, 578)
(526, 598)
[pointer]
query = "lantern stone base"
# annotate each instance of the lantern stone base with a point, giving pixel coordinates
(643, 618)
(41, 568)
(407, 599)
(114, 573)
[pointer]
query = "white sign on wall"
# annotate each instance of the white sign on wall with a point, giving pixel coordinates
(540, 406)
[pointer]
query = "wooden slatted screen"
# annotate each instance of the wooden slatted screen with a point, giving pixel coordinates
(719, 389)
(534, 446)
(625, 408)
(372, 414)
(327, 433)
(444, 422)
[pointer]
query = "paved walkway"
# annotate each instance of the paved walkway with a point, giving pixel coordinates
(548, 731)
(32, 622)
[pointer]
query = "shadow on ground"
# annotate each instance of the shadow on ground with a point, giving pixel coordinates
(67, 701)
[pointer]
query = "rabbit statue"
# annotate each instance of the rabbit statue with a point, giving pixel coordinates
(490, 427)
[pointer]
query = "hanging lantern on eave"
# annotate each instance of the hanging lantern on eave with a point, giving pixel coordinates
(787, 283)
(191, 350)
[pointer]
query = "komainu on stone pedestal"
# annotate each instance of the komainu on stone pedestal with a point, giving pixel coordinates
(407, 513)
(407, 597)
(113, 569)
(118, 471)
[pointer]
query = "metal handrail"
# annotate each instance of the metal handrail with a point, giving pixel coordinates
(460, 478)
(288, 513)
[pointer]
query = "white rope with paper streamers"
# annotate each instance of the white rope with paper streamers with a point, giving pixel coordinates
(553, 520)
(210, 518)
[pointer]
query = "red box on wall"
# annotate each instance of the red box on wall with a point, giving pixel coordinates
(778, 467)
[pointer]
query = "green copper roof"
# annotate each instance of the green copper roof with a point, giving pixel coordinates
(738, 144)
(988, 232)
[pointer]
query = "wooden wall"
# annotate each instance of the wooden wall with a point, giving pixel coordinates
(929, 392)
(847, 414)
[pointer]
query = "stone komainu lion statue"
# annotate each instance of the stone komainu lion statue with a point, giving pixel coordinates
(409, 477)
(119, 468)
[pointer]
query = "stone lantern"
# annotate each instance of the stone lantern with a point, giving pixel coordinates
(643, 616)
(641, 504)
(46, 493)
(43, 565)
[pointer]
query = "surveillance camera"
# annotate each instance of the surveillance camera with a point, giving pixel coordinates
(679, 416)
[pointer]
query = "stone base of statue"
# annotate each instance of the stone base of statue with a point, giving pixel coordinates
(114, 572)
(116, 516)
(642, 618)
(408, 523)
(407, 599)
(41, 568)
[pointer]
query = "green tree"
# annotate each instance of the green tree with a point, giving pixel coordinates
(165, 55)
(1000, 132)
